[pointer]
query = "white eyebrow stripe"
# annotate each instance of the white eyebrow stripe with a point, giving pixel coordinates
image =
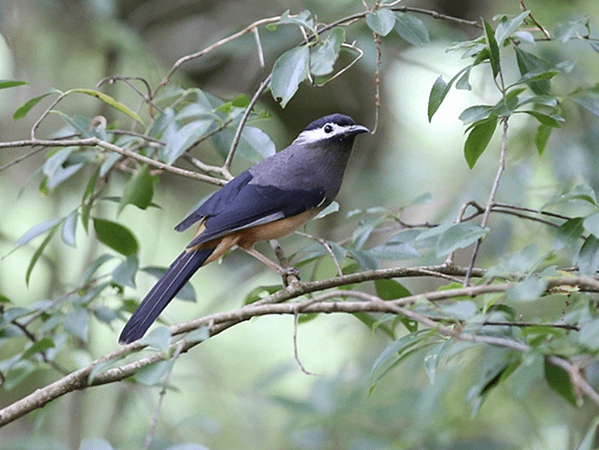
(318, 134)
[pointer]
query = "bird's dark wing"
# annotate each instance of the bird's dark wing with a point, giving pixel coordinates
(219, 201)
(240, 204)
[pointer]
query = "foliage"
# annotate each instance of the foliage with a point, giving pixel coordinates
(480, 309)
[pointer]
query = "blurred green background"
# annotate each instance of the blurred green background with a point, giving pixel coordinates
(243, 388)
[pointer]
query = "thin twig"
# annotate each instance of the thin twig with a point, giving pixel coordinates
(491, 199)
(243, 121)
(156, 415)
(295, 352)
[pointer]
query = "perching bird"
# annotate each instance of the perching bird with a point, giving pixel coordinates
(268, 201)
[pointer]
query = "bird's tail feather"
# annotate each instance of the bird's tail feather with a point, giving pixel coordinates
(162, 293)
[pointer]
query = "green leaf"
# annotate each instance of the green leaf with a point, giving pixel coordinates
(108, 100)
(198, 335)
(302, 19)
(381, 21)
(390, 289)
(364, 259)
(323, 56)
(116, 236)
(463, 82)
(528, 290)
(158, 338)
(591, 224)
(396, 352)
(139, 190)
(394, 251)
(460, 235)
(527, 62)
(546, 120)
(581, 192)
(588, 257)
(536, 75)
(289, 70)
(187, 292)
(507, 27)
(478, 139)
(438, 92)
(475, 113)
(77, 323)
(94, 266)
(69, 228)
(124, 273)
(542, 137)
(492, 47)
(152, 374)
(411, 29)
(37, 347)
(184, 138)
(573, 29)
(254, 145)
(38, 230)
(364, 230)
(59, 168)
(588, 442)
(37, 254)
(589, 335)
(4, 84)
(28, 106)
(568, 233)
(559, 381)
(589, 100)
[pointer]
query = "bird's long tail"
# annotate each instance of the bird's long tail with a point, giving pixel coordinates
(162, 293)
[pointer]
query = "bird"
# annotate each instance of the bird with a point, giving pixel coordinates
(267, 201)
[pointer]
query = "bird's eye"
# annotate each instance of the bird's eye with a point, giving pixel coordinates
(328, 128)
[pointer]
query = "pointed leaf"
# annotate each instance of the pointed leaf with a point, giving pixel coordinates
(588, 257)
(507, 27)
(124, 273)
(542, 137)
(527, 62)
(4, 84)
(77, 323)
(108, 100)
(390, 289)
(116, 236)
(438, 92)
(139, 189)
(458, 236)
(184, 138)
(411, 29)
(323, 57)
(288, 72)
(559, 381)
(69, 227)
(478, 139)
(28, 105)
(492, 47)
(381, 21)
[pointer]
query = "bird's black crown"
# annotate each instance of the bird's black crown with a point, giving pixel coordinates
(339, 119)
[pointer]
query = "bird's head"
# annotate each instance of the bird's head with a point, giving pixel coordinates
(331, 128)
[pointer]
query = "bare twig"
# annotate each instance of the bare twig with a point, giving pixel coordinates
(492, 196)
(155, 416)
(94, 141)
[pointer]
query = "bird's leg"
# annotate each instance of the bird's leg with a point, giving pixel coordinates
(289, 274)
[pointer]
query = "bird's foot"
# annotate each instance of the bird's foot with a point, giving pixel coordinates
(290, 275)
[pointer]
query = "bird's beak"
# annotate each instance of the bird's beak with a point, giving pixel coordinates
(357, 129)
